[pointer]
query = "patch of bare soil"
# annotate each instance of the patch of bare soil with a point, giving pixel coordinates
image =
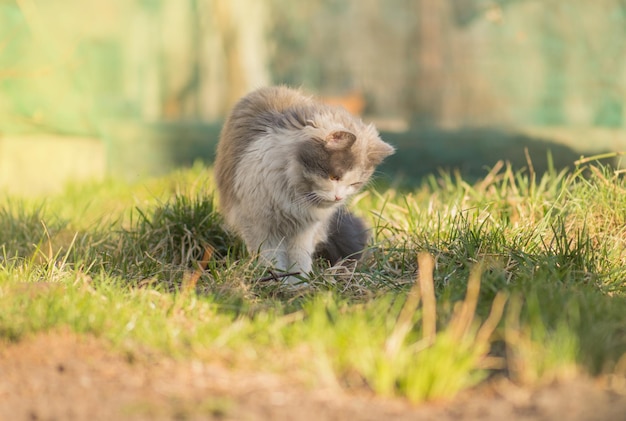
(62, 376)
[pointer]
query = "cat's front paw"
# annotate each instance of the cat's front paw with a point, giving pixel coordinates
(295, 283)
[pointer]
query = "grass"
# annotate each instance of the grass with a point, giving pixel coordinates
(518, 274)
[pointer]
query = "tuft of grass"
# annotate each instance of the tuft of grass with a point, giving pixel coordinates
(164, 244)
(24, 229)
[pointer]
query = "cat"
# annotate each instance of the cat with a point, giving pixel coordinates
(285, 168)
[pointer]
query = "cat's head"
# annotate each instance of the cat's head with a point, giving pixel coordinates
(332, 165)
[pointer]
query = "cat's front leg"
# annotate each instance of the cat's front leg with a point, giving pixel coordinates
(274, 254)
(300, 260)
(281, 256)
(300, 251)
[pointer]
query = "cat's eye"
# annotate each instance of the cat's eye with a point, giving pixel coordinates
(334, 178)
(357, 184)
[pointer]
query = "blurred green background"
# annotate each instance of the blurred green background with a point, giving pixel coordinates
(129, 88)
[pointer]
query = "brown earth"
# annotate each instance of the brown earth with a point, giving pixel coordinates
(63, 376)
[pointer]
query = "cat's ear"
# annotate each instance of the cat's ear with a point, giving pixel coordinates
(377, 151)
(339, 140)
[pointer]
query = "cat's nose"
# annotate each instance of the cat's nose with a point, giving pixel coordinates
(338, 198)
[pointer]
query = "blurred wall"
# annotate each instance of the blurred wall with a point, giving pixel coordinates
(71, 66)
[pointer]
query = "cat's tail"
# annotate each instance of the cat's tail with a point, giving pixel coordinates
(347, 238)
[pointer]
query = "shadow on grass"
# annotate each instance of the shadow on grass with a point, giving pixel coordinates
(470, 151)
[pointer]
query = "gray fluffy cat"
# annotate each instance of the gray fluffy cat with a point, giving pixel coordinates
(285, 167)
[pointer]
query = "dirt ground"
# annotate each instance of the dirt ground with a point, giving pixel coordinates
(62, 376)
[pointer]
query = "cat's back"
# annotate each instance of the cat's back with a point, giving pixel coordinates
(259, 111)
(271, 98)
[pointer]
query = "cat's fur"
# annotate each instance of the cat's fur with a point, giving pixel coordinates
(347, 237)
(285, 167)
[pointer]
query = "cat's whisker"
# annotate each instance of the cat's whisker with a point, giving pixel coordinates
(375, 176)
(307, 200)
